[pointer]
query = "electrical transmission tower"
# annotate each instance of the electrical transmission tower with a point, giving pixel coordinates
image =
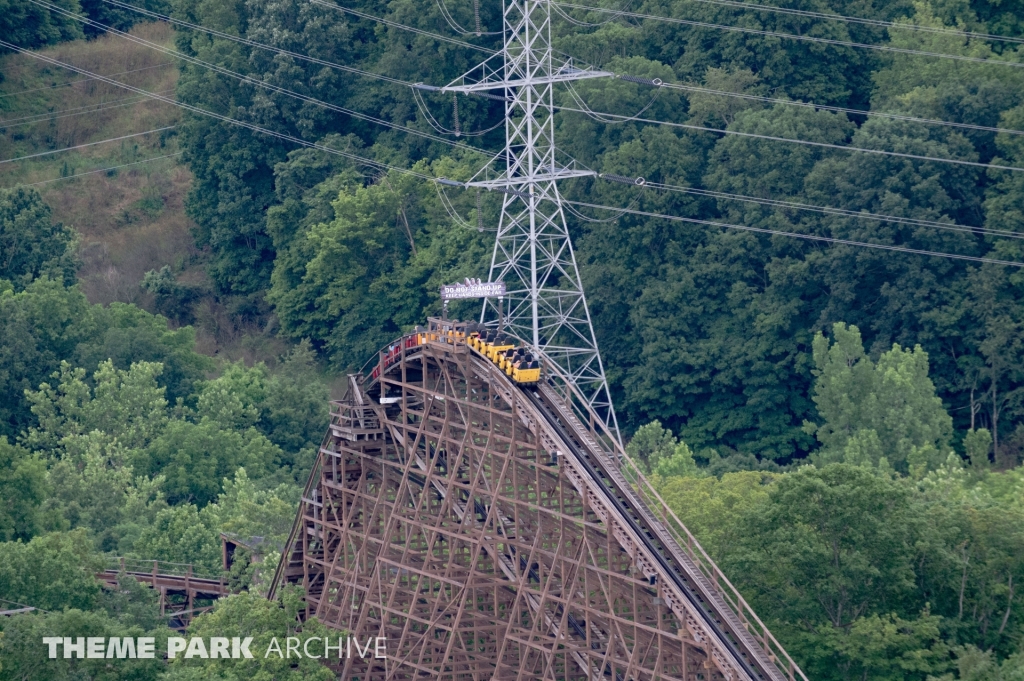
(533, 252)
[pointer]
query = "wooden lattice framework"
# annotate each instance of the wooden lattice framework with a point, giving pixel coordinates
(479, 527)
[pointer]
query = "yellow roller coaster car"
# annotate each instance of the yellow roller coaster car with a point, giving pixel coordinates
(527, 372)
(517, 362)
(499, 345)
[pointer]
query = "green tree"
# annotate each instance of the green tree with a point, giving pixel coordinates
(656, 450)
(51, 572)
(178, 535)
(890, 648)
(96, 490)
(125, 334)
(650, 444)
(368, 270)
(126, 406)
(295, 413)
(31, 26)
(831, 545)
(977, 665)
(871, 411)
(39, 327)
(26, 657)
(250, 513)
(251, 614)
(30, 244)
(195, 457)
(22, 492)
(288, 405)
(713, 508)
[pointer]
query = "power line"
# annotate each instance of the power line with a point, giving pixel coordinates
(675, 86)
(91, 108)
(253, 43)
(298, 55)
(840, 109)
(623, 119)
(395, 24)
(792, 36)
(250, 80)
(826, 210)
(378, 164)
(692, 88)
(82, 146)
(860, 20)
(194, 109)
(23, 605)
(450, 18)
(81, 80)
(103, 170)
(808, 237)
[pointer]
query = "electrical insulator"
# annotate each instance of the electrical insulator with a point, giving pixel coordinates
(479, 212)
(655, 82)
(455, 114)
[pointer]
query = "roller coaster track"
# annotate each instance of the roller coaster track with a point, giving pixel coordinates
(492, 531)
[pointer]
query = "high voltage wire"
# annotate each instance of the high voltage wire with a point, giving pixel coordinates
(250, 80)
(395, 24)
(450, 18)
(92, 108)
(253, 43)
(81, 80)
(674, 86)
(840, 109)
(796, 235)
(82, 146)
(791, 36)
(861, 20)
(422, 176)
(103, 170)
(725, 93)
(298, 55)
(825, 145)
(668, 85)
(827, 210)
(195, 109)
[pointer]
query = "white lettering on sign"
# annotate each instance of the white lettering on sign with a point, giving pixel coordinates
(473, 288)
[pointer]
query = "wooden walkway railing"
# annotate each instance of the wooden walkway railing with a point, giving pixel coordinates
(184, 591)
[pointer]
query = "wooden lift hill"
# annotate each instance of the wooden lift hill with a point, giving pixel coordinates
(491, 530)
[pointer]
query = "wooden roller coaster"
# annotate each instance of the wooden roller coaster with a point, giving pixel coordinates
(494, 530)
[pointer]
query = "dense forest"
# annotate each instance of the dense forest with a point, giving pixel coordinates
(841, 427)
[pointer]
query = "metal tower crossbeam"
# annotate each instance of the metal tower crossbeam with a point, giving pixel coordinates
(533, 252)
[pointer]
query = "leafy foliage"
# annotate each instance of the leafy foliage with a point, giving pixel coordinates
(30, 244)
(864, 405)
(52, 572)
(22, 492)
(32, 26)
(250, 614)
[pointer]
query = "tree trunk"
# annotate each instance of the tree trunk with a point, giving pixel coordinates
(1009, 604)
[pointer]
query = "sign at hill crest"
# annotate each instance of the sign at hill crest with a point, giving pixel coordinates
(473, 288)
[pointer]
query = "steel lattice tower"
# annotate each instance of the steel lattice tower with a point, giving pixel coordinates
(533, 252)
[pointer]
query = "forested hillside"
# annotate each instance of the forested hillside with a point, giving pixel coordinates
(841, 426)
(708, 330)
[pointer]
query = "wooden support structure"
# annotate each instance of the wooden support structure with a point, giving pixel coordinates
(182, 594)
(487, 532)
